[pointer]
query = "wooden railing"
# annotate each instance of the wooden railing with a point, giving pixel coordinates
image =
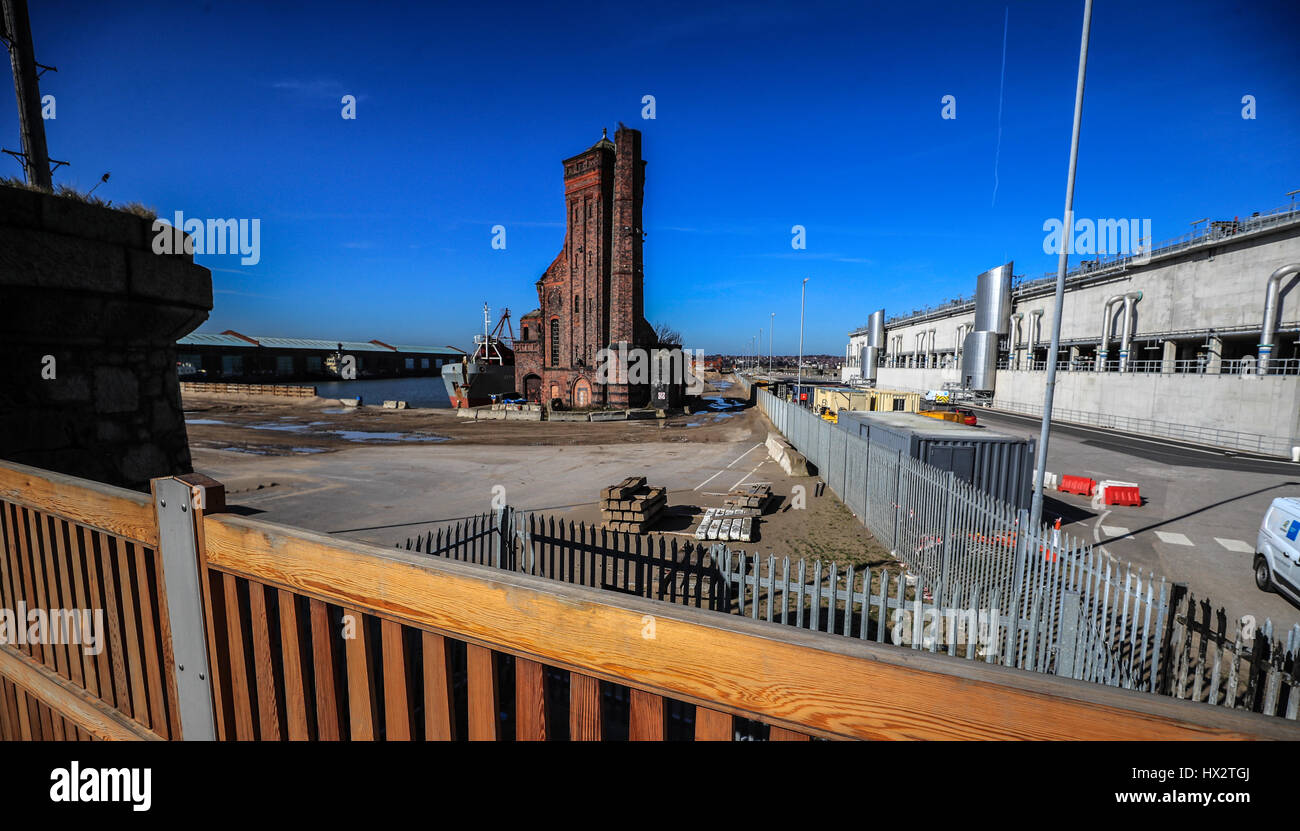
(76, 545)
(305, 636)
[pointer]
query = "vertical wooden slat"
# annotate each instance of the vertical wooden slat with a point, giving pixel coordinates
(152, 647)
(361, 681)
(242, 704)
(99, 670)
(295, 692)
(268, 711)
(58, 645)
(439, 725)
(646, 717)
(530, 701)
(35, 584)
(69, 567)
(104, 557)
(6, 731)
(585, 723)
(166, 652)
(135, 666)
(712, 726)
(397, 717)
(780, 734)
(483, 694)
(322, 647)
(24, 715)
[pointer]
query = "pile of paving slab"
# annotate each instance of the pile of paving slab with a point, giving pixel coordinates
(632, 506)
(735, 520)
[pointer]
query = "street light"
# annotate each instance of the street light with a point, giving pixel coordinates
(803, 290)
(769, 343)
(1049, 390)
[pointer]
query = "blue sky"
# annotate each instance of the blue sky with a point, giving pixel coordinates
(769, 115)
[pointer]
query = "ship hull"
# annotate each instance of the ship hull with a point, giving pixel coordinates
(485, 381)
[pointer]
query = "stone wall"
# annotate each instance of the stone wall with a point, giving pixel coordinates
(89, 318)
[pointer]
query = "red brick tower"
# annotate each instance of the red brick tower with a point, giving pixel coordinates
(591, 296)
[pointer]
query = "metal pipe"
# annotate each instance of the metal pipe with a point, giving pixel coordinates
(1034, 329)
(1271, 302)
(1015, 339)
(1130, 325)
(933, 354)
(1103, 352)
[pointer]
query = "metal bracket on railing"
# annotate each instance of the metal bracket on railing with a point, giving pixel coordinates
(177, 502)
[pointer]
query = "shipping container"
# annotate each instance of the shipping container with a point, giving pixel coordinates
(835, 399)
(1000, 465)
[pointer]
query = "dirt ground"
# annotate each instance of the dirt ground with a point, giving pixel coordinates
(267, 450)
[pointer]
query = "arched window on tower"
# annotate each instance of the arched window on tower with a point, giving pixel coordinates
(555, 341)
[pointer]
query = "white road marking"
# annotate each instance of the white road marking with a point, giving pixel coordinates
(1236, 545)
(1173, 538)
(283, 495)
(746, 476)
(728, 467)
(1096, 537)
(1115, 530)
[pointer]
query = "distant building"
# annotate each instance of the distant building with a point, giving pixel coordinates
(234, 356)
(591, 297)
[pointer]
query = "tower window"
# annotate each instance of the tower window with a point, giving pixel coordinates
(555, 342)
(576, 308)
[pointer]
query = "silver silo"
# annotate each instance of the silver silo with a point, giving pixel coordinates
(979, 361)
(993, 300)
(875, 345)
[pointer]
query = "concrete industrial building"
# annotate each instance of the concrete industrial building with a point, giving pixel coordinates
(1191, 340)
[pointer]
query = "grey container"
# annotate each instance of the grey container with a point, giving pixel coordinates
(1000, 465)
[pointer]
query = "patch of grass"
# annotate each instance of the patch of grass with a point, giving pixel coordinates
(135, 208)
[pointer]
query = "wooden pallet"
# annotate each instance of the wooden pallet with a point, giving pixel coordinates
(749, 496)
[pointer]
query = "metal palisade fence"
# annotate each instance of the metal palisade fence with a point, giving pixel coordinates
(1055, 604)
(969, 582)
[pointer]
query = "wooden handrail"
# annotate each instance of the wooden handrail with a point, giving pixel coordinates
(118, 511)
(91, 714)
(804, 681)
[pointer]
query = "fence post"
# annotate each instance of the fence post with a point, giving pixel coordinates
(1069, 634)
(499, 522)
(180, 504)
(946, 571)
(1176, 594)
(898, 504)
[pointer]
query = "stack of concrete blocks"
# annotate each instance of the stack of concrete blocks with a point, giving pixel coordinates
(632, 506)
(728, 524)
(783, 453)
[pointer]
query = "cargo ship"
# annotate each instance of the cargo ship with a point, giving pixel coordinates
(487, 373)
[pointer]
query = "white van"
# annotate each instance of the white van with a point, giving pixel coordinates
(1277, 550)
(938, 396)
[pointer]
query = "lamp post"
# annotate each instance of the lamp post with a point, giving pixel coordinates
(803, 290)
(1049, 392)
(770, 326)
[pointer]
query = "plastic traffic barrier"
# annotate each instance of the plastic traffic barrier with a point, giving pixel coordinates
(1122, 494)
(1081, 485)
